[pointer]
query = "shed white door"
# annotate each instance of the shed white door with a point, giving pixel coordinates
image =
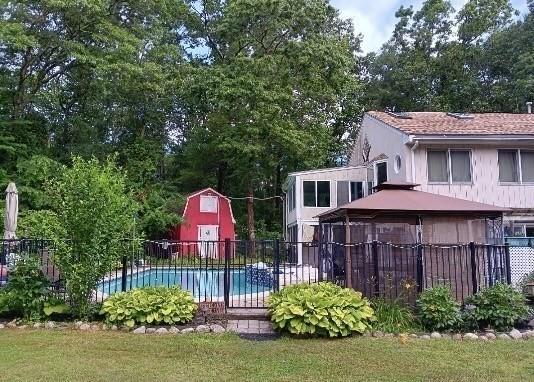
(207, 237)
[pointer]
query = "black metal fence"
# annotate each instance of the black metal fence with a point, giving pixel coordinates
(242, 274)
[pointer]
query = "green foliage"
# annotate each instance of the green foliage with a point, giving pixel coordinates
(525, 280)
(438, 310)
(322, 309)
(96, 213)
(27, 290)
(499, 306)
(42, 224)
(393, 316)
(154, 305)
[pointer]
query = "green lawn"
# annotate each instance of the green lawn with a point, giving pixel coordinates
(113, 356)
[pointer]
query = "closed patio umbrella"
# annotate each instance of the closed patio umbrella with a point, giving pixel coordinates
(11, 213)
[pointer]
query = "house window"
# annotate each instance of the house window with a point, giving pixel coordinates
(291, 198)
(316, 193)
(381, 172)
(516, 166)
(349, 191)
(449, 166)
(397, 164)
(208, 204)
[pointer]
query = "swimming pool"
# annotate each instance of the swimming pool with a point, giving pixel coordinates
(200, 282)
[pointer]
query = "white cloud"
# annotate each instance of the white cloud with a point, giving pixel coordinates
(375, 19)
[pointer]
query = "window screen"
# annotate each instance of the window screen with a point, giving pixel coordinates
(461, 166)
(437, 166)
(356, 190)
(323, 194)
(309, 193)
(381, 172)
(342, 193)
(527, 165)
(508, 168)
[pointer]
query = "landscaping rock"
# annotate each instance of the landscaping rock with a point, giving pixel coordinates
(531, 323)
(162, 331)
(84, 326)
(389, 335)
(457, 337)
(425, 337)
(12, 324)
(483, 338)
(50, 325)
(114, 327)
(378, 333)
(188, 330)
(150, 330)
(413, 335)
(470, 336)
(77, 324)
(216, 328)
(515, 334)
(22, 327)
(95, 327)
(140, 330)
(503, 336)
(435, 335)
(174, 330)
(491, 336)
(37, 325)
(202, 329)
(528, 334)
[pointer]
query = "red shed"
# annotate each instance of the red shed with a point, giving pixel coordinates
(207, 216)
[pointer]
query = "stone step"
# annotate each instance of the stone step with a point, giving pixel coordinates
(259, 314)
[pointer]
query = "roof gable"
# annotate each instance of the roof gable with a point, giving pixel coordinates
(441, 123)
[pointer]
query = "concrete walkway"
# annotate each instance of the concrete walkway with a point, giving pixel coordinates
(250, 326)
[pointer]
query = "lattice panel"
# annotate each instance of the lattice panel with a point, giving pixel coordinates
(521, 262)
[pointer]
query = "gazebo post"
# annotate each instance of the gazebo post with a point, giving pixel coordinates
(348, 259)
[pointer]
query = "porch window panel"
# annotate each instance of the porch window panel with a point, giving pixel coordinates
(323, 194)
(508, 166)
(342, 193)
(356, 190)
(461, 166)
(527, 165)
(309, 193)
(438, 169)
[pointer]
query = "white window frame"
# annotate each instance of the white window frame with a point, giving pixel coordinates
(316, 194)
(449, 166)
(209, 197)
(375, 170)
(519, 167)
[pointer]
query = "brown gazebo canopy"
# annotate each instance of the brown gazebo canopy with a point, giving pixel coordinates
(402, 200)
(435, 217)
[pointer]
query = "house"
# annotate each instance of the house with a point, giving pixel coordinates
(207, 217)
(486, 158)
(310, 193)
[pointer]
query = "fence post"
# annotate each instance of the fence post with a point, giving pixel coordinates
(374, 248)
(320, 260)
(276, 265)
(227, 255)
(419, 268)
(474, 281)
(508, 265)
(124, 273)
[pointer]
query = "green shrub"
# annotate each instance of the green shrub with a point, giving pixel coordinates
(323, 309)
(154, 305)
(438, 310)
(26, 290)
(499, 306)
(393, 316)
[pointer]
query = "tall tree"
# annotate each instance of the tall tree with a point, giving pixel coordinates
(278, 79)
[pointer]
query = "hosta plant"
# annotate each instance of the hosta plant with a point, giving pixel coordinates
(438, 310)
(322, 309)
(154, 305)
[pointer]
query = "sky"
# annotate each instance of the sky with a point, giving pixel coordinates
(375, 19)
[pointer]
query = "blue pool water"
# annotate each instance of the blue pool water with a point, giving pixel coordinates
(200, 282)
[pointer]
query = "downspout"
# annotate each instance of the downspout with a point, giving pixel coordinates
(412, 150)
